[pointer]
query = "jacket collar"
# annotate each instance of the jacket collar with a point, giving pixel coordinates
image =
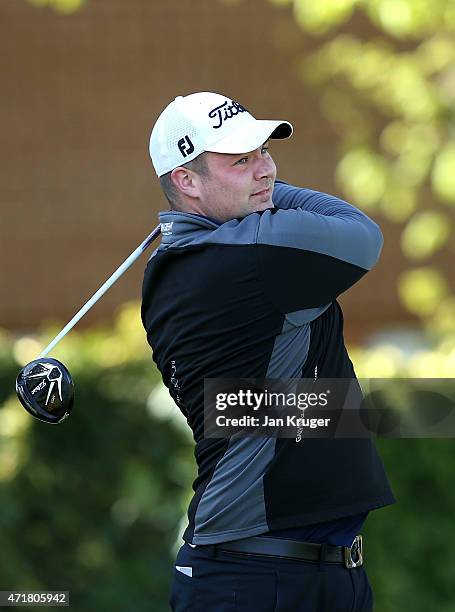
(178, 226)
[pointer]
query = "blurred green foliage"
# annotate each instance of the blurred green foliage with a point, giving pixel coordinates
(390, 96)
(93, 505)
(65, 7)
(409, 555)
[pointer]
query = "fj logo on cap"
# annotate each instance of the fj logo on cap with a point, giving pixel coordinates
(185, 146)
(225, 111)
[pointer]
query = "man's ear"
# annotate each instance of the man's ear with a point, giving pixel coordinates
(186, 181)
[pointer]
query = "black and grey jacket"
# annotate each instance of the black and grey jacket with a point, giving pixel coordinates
(254, 298)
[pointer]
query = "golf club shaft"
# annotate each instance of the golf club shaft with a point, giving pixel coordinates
(102, 290)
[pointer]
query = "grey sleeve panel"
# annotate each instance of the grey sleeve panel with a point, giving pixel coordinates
(301, 317)
(235, 494)
(346, 236)
(287, 196)
(304, 219)
(190, 230)
(236, 485)
(290, 352)
(351, 224)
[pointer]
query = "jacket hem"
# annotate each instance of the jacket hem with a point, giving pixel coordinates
(298, 520)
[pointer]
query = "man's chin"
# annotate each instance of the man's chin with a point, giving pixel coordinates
(262, 206)
(254, 207)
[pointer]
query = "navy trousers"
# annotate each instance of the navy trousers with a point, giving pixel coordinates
(215, 581)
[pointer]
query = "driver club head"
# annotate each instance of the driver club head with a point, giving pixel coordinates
(46, 390)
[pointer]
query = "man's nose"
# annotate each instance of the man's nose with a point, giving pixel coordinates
(264, 167)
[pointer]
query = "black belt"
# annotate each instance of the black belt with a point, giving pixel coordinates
(291, 549)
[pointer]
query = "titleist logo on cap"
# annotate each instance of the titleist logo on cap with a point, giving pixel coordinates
(225, 111)
(204, 122)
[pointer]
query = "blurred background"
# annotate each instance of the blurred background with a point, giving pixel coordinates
(96, 505)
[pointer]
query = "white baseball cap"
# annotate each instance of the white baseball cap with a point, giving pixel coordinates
(207, 121)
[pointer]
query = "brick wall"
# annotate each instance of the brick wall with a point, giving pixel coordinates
(79, 96)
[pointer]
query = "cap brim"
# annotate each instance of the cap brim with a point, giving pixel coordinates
(251, 136)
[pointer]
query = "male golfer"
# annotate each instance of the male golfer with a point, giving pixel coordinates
(244, 285)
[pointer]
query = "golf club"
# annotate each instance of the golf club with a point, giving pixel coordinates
(44, 386)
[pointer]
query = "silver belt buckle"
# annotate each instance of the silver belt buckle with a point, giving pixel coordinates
(355, 550)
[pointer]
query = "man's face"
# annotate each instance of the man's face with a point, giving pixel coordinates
(237, 184)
